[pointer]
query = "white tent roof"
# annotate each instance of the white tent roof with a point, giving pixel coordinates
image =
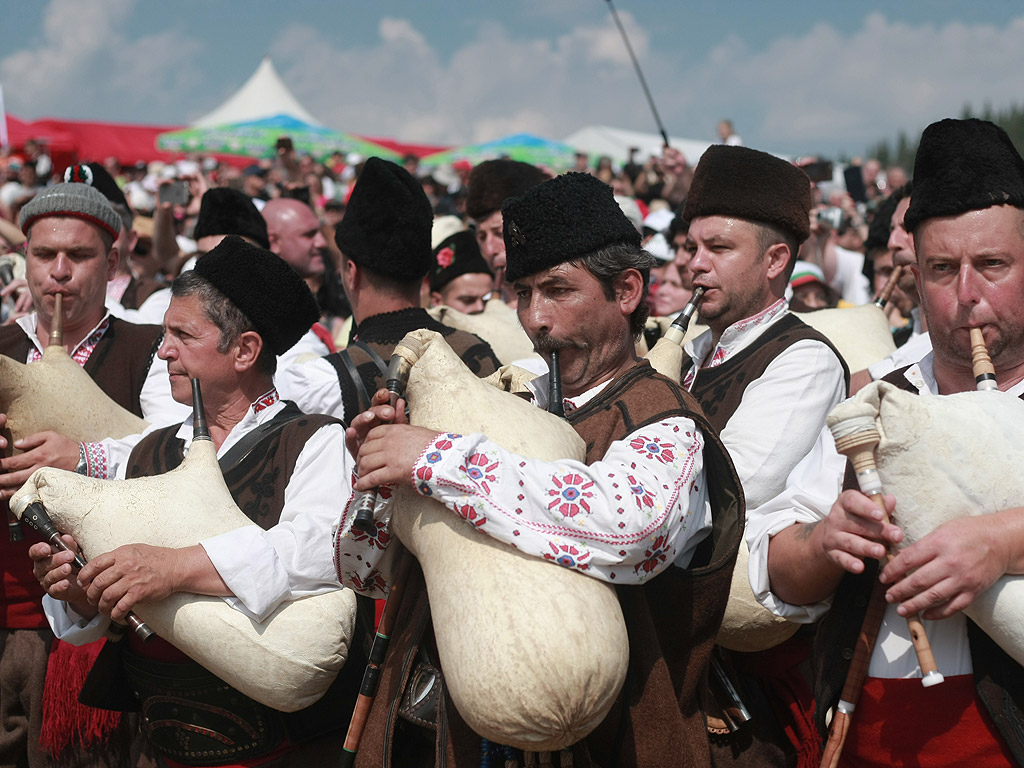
(263, 95)
(614, 142)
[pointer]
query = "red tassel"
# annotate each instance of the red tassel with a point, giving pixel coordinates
(67, 724)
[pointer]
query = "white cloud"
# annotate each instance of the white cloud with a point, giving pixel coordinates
(819, 89)
(87, 64)
(488, 85)
(824, 88)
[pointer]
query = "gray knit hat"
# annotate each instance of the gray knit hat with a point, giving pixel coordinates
(71, 199)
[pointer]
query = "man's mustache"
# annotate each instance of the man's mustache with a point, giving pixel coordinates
(546, 344)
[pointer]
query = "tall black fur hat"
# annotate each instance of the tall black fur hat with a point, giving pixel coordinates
(457, 255)
(752, 185)
(493, 181)
(964, 165)
(387, 223)
(264, 287)
(224, 211)
(565, 218)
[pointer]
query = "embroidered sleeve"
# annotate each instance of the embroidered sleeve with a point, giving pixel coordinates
(363, 561)
(96, 464)
(624, 518)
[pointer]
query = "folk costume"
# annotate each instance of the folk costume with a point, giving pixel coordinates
(121, 358)
(655, 509)
(766, 386)
(285, 471)
(979, 717)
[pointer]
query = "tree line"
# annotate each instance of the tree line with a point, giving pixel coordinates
(901, 151)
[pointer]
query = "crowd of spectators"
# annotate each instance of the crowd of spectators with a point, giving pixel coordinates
(651, 190)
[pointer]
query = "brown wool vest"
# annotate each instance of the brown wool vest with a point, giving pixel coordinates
(998, 679)
(140, 289)
(118, 364)
(256, 483)
(719, 390)
(671, 621)
(381, 333)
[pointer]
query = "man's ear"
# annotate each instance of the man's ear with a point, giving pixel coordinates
(779, 257)
(629, 290)
(248, 347)
(113, 259)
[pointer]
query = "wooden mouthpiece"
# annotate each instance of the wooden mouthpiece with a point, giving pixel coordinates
(883, 295)
(57, 321)
(984, 371)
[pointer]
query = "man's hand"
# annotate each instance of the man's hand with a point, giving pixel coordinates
(379, 412)
(55, 573)
(855, 529)
(947, 569)
(389, 453)
(43, 449)
(806, 561)
(18, 290)
(139, 573)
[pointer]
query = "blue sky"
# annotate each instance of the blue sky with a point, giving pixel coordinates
(796, 77)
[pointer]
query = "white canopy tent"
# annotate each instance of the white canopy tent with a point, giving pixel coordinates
(263, 95)
(615, 142)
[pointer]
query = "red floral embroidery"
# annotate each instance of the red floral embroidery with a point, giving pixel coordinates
(82, 352)
(655, 555)
(378, 538)
(641, 495)
(265, 401)
(570, 494)
(480, 470)
(374, 581)
(568, 555)
(653, 449)
(468, 513)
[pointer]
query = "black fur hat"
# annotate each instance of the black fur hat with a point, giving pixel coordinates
(493, 181)
(566, 218)
(752, 185)
(456, 255)
(224, 211)
(964, 165)
(387, 223)
(264, 287)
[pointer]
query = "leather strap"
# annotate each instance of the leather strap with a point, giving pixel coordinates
(240, 450)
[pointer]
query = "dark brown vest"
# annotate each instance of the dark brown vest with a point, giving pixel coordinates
(256, 483)
(140, 289)
(719, 390)
(382, 333)
(118, 364)
(998, 679)
(671, 621)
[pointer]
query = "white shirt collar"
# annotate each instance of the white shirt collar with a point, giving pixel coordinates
(248, 423)
(30, 325)
(736, 337)
(921, 376)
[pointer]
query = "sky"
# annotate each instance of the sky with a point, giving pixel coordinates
(825, 77)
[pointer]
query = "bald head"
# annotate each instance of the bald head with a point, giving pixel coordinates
(295, 236)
